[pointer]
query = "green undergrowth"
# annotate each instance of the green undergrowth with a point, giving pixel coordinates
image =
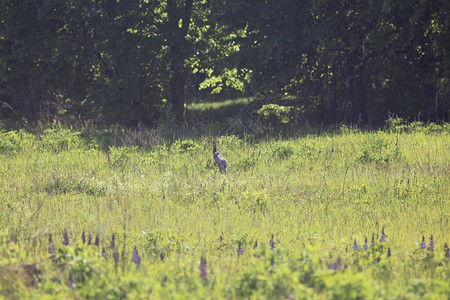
(281, 224)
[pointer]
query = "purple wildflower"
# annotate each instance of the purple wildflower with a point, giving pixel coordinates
(203, 268)
(83, 237)
(70, 282)
(355, 246)
(97, 240)
(113, 241)
(383, 235)
(51, 246)
(136, 259)
(272, 242)
(372, 243)
(365, 246)
(431, 245)
(89, 239)
(240, 251)
(423, 245)
(66, 238)
(335, 265)
(255, 245)
(162, 256)
(389, 252)
(447, 251)
(104, 253)
(116, 256)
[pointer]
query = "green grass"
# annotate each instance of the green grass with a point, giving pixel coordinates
(315, 194)
(219, 110)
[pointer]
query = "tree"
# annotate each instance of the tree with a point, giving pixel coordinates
(178, 23)
(341, 59)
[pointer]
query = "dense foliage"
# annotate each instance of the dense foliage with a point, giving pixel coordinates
(293, 218)
(129, 62)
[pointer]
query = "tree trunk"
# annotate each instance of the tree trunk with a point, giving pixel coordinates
(357, 93)
(432, 107)
(178, 51)
(177, 95)
(30, 105)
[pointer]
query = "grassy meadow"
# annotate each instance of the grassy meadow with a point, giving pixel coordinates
(289, 220)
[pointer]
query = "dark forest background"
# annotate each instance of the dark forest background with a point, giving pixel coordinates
(130, 62)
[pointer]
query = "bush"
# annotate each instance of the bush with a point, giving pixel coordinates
(185, 146)
(376, 149)
(121, 156)
(14, 141)
(283, 150)
(59, 139)
(278, 113)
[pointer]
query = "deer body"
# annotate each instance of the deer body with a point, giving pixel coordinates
(221, 162)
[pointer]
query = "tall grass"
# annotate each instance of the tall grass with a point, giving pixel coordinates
(316, 194)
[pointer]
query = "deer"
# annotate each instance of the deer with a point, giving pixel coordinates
(221, 162)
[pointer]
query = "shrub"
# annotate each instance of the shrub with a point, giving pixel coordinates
(121, 156)
(396, 125)
(433, 128)
(283, 150)
(161, 244)
(14, 141)
(376, 149)
(59, 139)
(185, 146)
(347, 286)
(278, 113)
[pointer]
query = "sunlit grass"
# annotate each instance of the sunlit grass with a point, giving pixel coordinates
(218, 110)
